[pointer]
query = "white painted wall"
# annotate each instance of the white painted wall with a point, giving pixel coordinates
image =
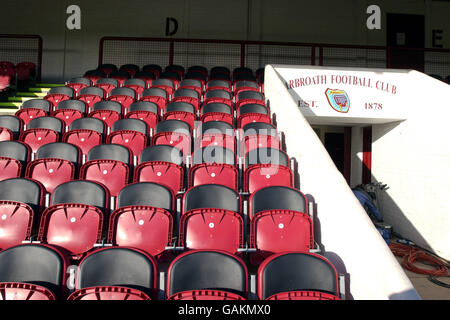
(342, 227)
(413, 158)
(69, 52)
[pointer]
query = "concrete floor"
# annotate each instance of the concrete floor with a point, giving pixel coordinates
(424, 287)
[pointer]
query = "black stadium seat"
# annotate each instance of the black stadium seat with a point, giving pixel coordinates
(205, 275)
(297, 276)
(116, 274)
(55, 163)
(41, 131)
(85, 133)
(32, 272)
(143, 218)
(14, 156)
(10, 127)
(211, 219)
(162, 164)
(109, 164)
(21, 203)
(34, 108)
(74, 221)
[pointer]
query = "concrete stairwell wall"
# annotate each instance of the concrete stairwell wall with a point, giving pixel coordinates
(342, 228)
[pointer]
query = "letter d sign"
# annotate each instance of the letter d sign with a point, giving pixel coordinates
(175, 26)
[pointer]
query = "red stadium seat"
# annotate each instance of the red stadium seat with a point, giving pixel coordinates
(32, 109)
(156, 95)
(107, 84)
(85, 133)
(143, 218)
(108, 164)
(175, 133)
(21, 203)
(116, 274)
(125, 96)
(33, 272)
(41, 131)
(214, 165)
(210, 219)
(279, 222)
(297, 276)
(207, 275)
(55, 163)
(58, 94)
(77, 84)
(107, 111)
(145, 111)
(10, 127)
(14, 156)
(131, 133)
(265, 167)
(91, 95)
(70, 110)
(161, 164)
(74, 220)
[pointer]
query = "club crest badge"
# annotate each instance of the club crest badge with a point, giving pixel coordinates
(338, 100)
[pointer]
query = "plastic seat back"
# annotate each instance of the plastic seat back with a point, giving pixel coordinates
(297, 272)
(77, 84)
(119, 267)
(156, 95)
(107, 111)
(94, 75)
(161, 164)
(32, 272)
(70, 110)
(143, 218)
(41, 131)
(131, 133)
(107, 68)
(107, 84)
(211, 219)
(34, 108)
(14, 156)
(215, 271)
(266, 167)
(57, 94)
(10, 127)
(108, 164)
(21, 202)
(85, 133)
(74, 219)
(146, 111)
(55, 163)
(218, 134)
(175, 133)
(279, 223)
(91, 95)
(214, 165)
(124, 95)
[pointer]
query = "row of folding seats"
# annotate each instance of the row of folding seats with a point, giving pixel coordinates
(80, 216)
(37, 272)
(175, 73)
(249, 107)
(168, 85)
(106, 120)
(214, 159)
